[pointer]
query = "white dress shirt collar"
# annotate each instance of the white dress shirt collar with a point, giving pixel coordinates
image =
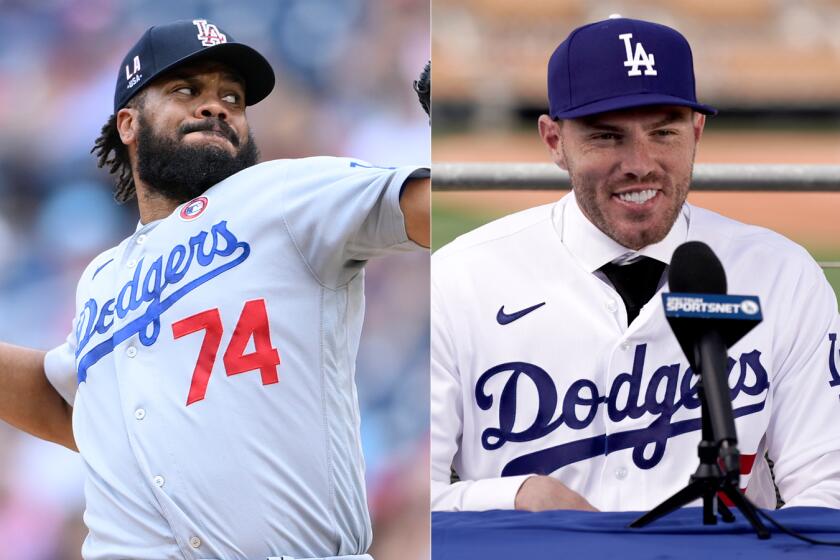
(593, 248)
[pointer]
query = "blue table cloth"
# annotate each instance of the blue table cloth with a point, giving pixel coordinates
(506, 535)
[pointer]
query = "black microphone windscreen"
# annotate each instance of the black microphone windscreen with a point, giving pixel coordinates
(696, 269)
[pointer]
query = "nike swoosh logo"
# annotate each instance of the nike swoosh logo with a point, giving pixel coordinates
(505, 318)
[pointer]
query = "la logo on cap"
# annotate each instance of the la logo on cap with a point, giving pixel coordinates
(208, 33)
(639, 58)
(133, 75)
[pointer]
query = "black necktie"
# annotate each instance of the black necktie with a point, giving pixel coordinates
(635, 282)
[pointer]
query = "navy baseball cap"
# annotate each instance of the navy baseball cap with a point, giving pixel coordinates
(621, 63)
(163, 47)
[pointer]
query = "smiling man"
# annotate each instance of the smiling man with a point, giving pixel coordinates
(556, 380)
(631, 169)
(208, 378)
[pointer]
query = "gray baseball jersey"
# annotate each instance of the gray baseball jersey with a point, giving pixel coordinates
(535, 369)
(211, 367)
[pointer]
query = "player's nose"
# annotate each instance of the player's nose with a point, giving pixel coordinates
(637, 158)
(211, 106)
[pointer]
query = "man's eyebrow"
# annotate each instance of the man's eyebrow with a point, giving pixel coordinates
(595, 123)
(236, 78)
(670, 118)
(191, 76)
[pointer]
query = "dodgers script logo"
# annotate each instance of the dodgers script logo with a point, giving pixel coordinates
(582, 401)
(638, 59)
(207, 249)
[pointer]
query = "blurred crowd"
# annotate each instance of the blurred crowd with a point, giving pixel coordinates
(344, 71)
(491, 54)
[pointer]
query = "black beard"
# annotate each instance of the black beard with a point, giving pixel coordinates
(180, 172)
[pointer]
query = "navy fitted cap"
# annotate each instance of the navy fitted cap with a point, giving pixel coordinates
(621, 63)
(163, 47)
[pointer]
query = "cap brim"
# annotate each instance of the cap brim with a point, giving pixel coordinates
(254, 68)
(631, 102)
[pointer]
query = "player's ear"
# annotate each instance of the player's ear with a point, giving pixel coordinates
(699, 123)
(550, 132)
(128, 125)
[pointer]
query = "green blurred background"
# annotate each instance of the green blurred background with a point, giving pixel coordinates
(771, 67)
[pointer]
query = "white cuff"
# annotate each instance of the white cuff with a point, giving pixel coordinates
(60, 368)
(477, 495)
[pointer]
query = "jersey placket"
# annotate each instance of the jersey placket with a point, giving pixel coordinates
(618, 472)
(134, 366)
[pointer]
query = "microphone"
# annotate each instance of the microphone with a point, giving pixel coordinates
(706, 322)
(696, 269)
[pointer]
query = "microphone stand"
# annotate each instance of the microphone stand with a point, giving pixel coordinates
(718, 440)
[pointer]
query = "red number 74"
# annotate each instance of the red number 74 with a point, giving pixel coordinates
(252, 322)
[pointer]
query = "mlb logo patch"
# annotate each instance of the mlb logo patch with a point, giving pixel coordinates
(193, 209)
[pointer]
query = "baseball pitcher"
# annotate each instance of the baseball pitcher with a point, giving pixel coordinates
(208, 378)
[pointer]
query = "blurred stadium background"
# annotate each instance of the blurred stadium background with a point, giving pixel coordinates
(772, 67)
(344, 70)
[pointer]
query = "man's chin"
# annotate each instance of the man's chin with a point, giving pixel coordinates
(184, 178)
(635, 230)
(637, 238)
(181, 169)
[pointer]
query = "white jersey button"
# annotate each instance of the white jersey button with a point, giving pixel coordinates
(625, 345)
(621, 473)
(141, 238)
(159, 481)
(131, 351)
(131, 264)
(612, 307)
(139, 413)
(195, 542)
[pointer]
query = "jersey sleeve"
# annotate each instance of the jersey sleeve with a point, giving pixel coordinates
(60, 367)
(447, 417)
(342, 212)
(803, 436)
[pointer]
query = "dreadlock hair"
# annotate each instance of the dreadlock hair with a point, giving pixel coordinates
(111, 152)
